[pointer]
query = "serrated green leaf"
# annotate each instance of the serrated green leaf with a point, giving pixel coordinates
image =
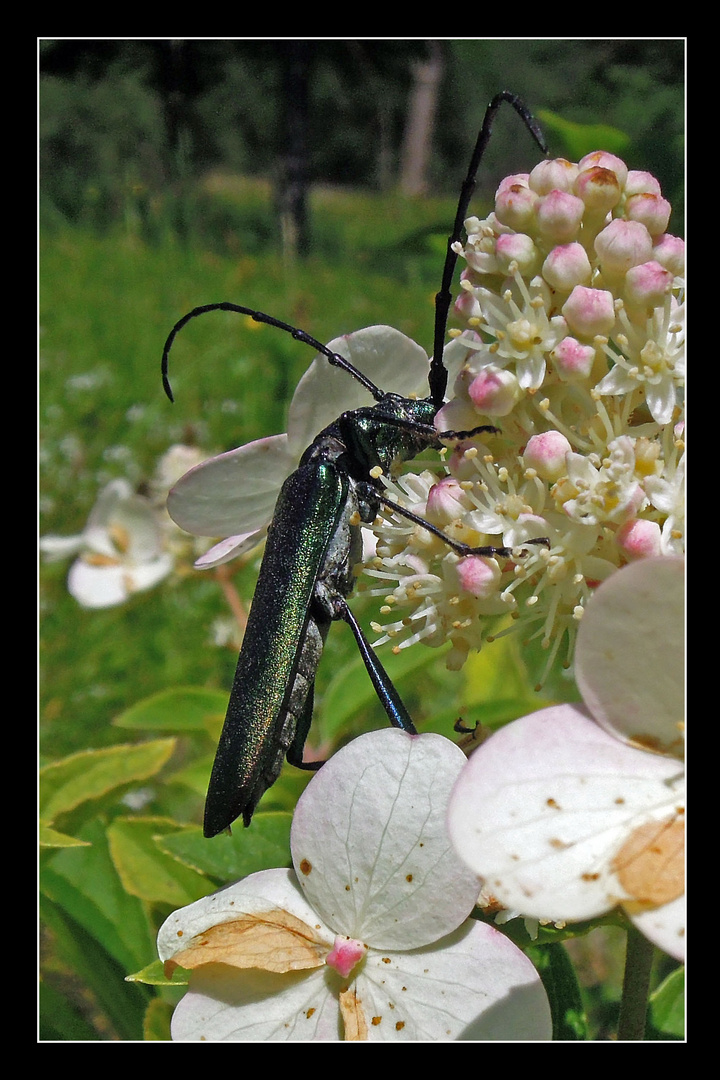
(262, 846)
(91, 774)
(147, 871)
(183, 709)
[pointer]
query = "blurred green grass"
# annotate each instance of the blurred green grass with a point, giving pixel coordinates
(107, 304)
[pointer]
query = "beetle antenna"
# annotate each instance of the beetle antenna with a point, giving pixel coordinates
(438, 372)
(259, 316)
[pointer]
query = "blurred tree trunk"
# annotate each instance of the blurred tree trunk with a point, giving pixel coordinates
(417, 144)
(291, 192)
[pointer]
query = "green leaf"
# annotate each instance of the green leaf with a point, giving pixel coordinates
(581, 139)
(91, 774)
(667, 1005)
(60, 1020)
(184, 709)
(156, 1026)
(351, 690)
(83, 882)
(51, 838)
(148, 872)
(154, 975)
(117, 1003)
(262, 846)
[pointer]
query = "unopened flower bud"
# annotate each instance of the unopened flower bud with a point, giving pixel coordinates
(559, 215)
(478, 576)
(639, 539)
(515, 207)
(513, 180)
(573, 361)
(606, 161)
(599, 189)
(647, 285)
(623, 244)
(589, 312)
(519, 249)
(566, 266)
(669, 251)
(546, 454)
(494, 391)
(651, 210)
(555, 175)
(638, 182)
(446, 501)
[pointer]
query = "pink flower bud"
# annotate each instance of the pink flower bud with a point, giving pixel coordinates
(652, 210)
(623, 244)
(605, 161)
(446, 501)
(573, 361)
(639, 182)
(517, 248)
(599, 189)
(589, 312)
(559, 215)
(516, 179)
(546, 454)
(566, 266)
(669, 251)
(639, 539)
(557, 175)
(494, 391)
(515, 207)
(478, 576)
(647, 285)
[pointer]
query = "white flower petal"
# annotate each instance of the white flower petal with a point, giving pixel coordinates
(263, 891)
(106, 586)
(56, 548)
(474, 984)
(369, 842)
(235, 492)
(665, 927)
(629, 656)
(223, 1005)
(544, 805)
(387, 357)
(229, 549)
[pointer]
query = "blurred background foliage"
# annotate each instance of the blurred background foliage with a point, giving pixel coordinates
(314, 180)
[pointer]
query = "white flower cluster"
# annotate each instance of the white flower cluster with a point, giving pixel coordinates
(573, 297)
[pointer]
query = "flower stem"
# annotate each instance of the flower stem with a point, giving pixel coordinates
(636, 986)
(222, 576)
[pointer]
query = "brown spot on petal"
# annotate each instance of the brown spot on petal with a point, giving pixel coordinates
(305, 867)
(651, 862)
(353, 1016)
